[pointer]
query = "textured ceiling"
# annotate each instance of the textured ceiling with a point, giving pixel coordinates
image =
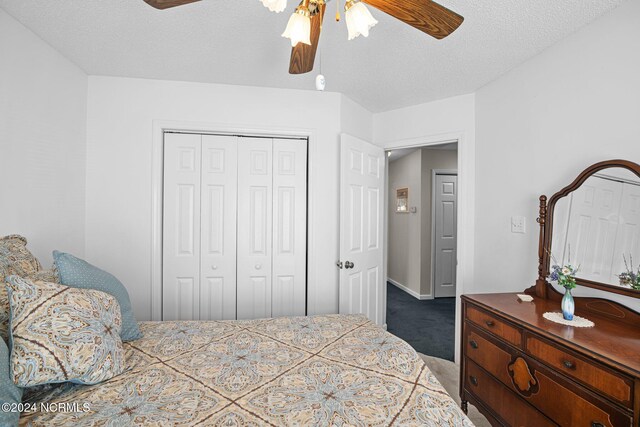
(238, 42)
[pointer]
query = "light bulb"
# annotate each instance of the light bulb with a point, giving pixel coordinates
(359, 19)
(299, 27)
(275, 5)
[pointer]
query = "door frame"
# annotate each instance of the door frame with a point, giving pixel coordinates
(466, 211)
(159, 127)
(435, 172)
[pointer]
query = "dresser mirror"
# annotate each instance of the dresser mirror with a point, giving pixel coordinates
(594, 224)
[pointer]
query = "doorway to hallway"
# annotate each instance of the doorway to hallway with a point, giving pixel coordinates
(422, 247)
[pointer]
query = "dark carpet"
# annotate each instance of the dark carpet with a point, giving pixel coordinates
(428, 325)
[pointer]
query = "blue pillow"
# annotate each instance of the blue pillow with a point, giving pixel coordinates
(9, 392)
(78, 273)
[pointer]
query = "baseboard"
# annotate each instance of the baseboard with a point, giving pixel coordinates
(409, 291)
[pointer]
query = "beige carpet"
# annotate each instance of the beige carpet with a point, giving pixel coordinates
(448, 373)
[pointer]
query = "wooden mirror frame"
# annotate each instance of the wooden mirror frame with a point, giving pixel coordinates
(543, 288)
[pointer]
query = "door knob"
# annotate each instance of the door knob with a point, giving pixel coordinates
(214, 267)
(339, 264)
(258, 266)
(348, 264)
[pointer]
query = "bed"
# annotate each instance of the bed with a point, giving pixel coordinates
(335, 370)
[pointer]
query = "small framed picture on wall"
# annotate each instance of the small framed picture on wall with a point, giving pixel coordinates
(402, 200)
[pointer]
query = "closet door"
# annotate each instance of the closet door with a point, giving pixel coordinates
(289, 227)
(181, 227)
(255, 186)
(218, 228)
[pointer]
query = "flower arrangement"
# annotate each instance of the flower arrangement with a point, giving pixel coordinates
(630, 278)
(565, 275)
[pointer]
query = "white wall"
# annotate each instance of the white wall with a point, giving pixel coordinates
(404, 243)
(42, 143)
(355, 119)
(540, 125)
(119, 166)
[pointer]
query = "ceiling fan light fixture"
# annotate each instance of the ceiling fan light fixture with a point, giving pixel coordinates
(359, 19)
(276, 6)
(299, 26)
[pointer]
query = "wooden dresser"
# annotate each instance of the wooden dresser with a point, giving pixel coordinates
(520, 369)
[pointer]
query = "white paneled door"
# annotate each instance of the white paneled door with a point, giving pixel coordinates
(628, 240)
(361, 228)
(218, 228)
(234, 227)
(181, 227)
(445, 237)
(593, 226)
(604, 226)
(289, 228)
(255, 186)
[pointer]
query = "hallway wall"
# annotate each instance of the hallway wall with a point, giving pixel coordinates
(432, 158)
(403, 266)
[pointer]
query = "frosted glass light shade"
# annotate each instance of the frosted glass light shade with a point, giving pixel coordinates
(299, 28)
(359, 20)
(275, 5)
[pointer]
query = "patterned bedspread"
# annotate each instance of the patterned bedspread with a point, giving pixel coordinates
(299, 371)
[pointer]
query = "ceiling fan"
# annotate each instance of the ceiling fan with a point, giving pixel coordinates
(305, 25)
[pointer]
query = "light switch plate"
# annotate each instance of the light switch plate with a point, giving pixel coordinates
(518, 224)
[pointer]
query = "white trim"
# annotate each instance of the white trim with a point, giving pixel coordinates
(466, 208)
(158, 129)
(435, 172)
(409, 291)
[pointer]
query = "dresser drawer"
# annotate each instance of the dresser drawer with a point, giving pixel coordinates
(494, 325)
(561, 400)
(511, 409)
(566, 403)
(589, 373)
(488, 355)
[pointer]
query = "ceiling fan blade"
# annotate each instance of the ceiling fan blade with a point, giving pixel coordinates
(303, 55)
(166, 4)
(425, 15)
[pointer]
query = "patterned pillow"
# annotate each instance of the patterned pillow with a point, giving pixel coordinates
(15, 258)
(80, 274)
(62, 334)
(9, 392)
(50, 275)
(4, 312)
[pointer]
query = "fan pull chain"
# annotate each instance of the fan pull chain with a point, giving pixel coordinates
(337, 10)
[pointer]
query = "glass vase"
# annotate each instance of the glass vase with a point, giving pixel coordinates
(568, 306)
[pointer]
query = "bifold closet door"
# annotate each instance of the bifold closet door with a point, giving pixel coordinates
(218, 227)
(199, 227)
(289, 227)
(255, 218)
(272, 219)
(181, 227)
(234, 227)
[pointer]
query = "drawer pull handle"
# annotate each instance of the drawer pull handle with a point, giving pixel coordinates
(490, 323)
(568, 364)
(596, 424)
(473, 344)
(473, 380)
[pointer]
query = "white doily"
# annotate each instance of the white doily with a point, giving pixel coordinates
(578, 322)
